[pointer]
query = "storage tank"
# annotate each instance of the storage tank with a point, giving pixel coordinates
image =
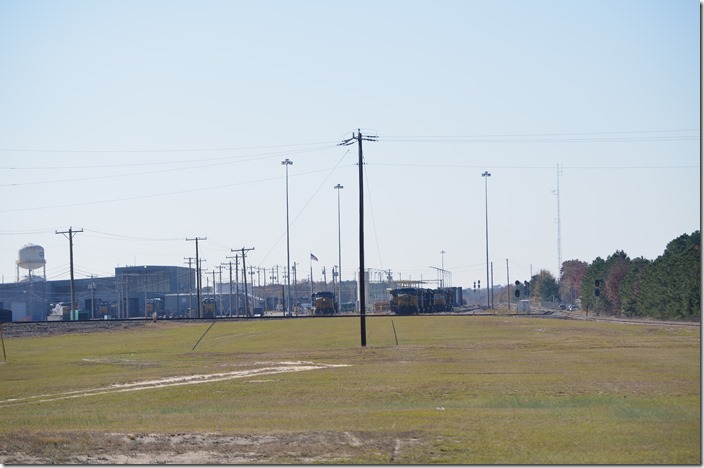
(31, 257)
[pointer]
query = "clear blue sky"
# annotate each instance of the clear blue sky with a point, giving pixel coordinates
(144, 123)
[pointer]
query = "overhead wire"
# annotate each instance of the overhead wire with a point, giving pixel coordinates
(27, 231)
(565, 137)
(329, 173)
(574, 137)
(493, 166)
(169, 150)
(482, 138)
(540, 136)
(200, 165)
(141, 197)
(371, 210)
(132, 238)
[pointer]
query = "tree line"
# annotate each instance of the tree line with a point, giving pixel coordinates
(667, 288)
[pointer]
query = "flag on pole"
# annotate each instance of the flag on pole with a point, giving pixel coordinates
(313, 257)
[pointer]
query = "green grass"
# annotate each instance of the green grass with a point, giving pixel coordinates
(474, 390)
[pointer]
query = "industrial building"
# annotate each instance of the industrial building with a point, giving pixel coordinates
(168, 291)
(130, 293)
(133, 292)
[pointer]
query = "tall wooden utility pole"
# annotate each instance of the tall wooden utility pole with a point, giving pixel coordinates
(244, 273)
(230, 297)
(190, 287)
(71, 233)
(362, 292)
(237, 282)
(198, 282)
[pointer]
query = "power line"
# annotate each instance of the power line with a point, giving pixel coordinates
(473, 166)
(226, 159)
(609, 136)
(140, 197)
(508, 137)
(312, 197)
(121, 236)
(371, 209)
(220, 162)
(162, 150)
(25, 232)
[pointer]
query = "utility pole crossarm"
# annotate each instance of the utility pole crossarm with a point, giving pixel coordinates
(357, 137)
(348, 141)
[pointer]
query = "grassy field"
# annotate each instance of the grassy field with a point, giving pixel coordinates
(457, 389)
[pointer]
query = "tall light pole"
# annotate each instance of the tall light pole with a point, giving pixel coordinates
(339, 248)
(486, 176)
(287, 162)
(442, 264)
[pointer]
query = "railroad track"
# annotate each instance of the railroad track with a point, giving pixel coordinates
(26, 329)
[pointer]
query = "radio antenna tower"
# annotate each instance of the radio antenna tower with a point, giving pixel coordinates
(559, 235)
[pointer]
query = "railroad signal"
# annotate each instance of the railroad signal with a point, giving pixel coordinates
(517, 292)
(597, 284)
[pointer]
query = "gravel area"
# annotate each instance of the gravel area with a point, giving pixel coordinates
(25, 329)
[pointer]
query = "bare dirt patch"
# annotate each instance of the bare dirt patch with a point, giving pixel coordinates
(207, 448)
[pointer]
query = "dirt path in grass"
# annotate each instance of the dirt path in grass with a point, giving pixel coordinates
(267, 369)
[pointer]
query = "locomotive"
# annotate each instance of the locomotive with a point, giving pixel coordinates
(104, 309)
(155, 305)
(324, 303)
(209, 308)
(408, 301)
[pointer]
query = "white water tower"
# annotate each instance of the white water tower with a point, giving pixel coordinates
(30, 257)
